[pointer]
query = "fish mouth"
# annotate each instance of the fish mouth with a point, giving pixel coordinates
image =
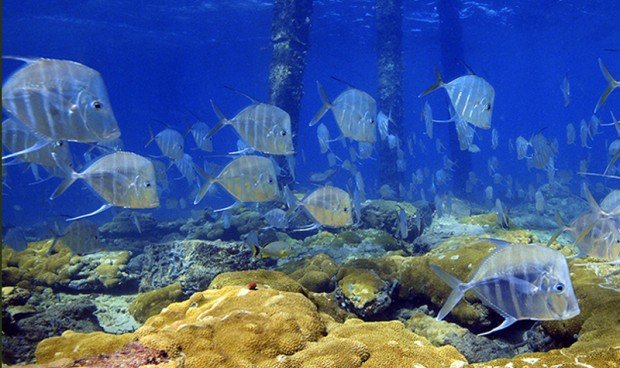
(111, 135)
(571, 313)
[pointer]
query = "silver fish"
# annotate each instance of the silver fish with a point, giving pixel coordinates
(519, 282)
(570, 134)
(200, 132)
(427, 117)
(328, 206)
(494, 139)
(264, 127)
(539, 200)
(612, 84)
(185, 165)
(355, 112)
(502, 214)
(170, 142)
(18, 137)
(276, 218)
(61, 100)
(522, 146)
(322, 176)
(15, 238)
(565, 88)
(365, 149)
(122, 179)
(322, 134)
(472, 98)
(403, 229)
(82, 237)
(247, 178)
(465, 134)
(383, 122)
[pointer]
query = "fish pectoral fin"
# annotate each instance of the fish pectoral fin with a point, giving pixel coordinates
(507, 322)
(99, 210)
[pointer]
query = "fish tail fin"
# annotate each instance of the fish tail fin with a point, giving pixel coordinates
(289, 198)
(458, 290)
(252, 241)
(561, 224)
(438, 84)
(151, 137)
(611, 85)
(220, 124)
(586, 231)
(326, 104)
(71, 176)
(204, 188)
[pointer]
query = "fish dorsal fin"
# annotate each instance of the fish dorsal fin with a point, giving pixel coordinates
(469, 69)
(591, 201)
(344, 82)
(499, 243)
(27, 60)
(254, 100)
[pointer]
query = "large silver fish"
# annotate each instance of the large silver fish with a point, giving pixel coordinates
(61, 100)
(264, 127)
(519, 282)
(472, 97)
(170, 142)
(355, 112)
(18, 137)
(247, 178)
(122, 179)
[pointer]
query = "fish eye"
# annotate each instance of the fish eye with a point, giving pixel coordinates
(372, 121)
(270, 180)
(147, 184)
(346, 209)
(559, 288)
(488, 107)
(283, 133)
(97, 104)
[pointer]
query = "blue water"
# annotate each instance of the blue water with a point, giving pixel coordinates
(161, 61)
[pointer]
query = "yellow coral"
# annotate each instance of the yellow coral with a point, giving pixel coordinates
(264, 278)
(75, 345)
(152, 302)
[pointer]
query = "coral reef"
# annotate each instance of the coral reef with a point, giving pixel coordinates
(152, 302)
(316, 273)
(383, 214)
(39, 265)
(263, 278)
(363, 292)
(235, 326)
(193, 263)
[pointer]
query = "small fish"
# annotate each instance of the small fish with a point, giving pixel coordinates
(494, 139)
(365, 150)
(502, 214)
(520, 282)
(403, 229)
(539, 199)
(584, 133)
(15, 238)
(359, 184)
(274, 250)
(522, 146)
(612, 84)
(465, 135)
(392, 141)
(438, 202)
(170, 143)
(264, 127)
(488, 193)
(200, 132)
(355, 112)
(328, 206)
(570, 134)
(565, 88)
(136, 222)
(427, 117)
(322, 176)
(322, 135)
(357, 206)
(247, 178)
(82, 237)
(60, 100)
(439, 147)
(544, 151)
(332, 159)
(471, 96)
(276, 218)
(383, 122)
(122, 179)
(185, 165)
(226, 218)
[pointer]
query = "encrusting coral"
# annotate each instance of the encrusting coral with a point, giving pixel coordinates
(152, 302)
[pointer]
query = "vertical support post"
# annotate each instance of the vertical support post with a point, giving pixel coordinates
(451, 43)
(389, 17)
(289, 36)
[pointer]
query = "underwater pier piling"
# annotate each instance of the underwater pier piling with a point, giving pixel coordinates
(389, 18)
(289, 36)
(451, 46)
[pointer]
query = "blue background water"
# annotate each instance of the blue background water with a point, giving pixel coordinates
(160, 61)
